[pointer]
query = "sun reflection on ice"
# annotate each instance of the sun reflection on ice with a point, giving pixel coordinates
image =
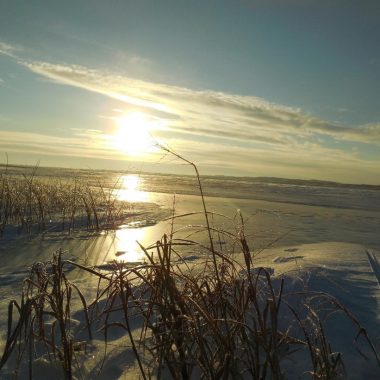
(127, 249)
(125, 246)
(130, 189)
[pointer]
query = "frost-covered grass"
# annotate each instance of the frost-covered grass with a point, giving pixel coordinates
(31, 204)
(227, 316)
(181, 321)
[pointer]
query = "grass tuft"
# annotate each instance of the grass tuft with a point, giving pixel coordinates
(226, 318)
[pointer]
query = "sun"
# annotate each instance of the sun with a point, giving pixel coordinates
(133, 134)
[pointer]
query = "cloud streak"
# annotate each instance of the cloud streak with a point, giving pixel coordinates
(8, 50)
(208, 112)
(223, 132)
(84, 144)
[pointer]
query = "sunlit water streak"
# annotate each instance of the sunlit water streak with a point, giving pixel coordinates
(126, 246)
(129, 190)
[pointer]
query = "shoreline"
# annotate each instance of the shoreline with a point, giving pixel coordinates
(311, 248)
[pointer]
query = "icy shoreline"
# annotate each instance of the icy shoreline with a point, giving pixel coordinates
(314, 249)
(339, 269)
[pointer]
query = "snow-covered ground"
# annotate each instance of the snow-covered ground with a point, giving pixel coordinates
(318, 249)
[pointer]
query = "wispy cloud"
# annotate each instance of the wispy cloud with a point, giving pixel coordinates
(217, 129)
(81, 145)
(7, 49)
(84, 143)
(208, 112)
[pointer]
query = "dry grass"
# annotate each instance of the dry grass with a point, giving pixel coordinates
(43, 322)
(32, 205)
(220, 320)
(241, 324)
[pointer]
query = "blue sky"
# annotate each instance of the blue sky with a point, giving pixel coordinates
(264, 88)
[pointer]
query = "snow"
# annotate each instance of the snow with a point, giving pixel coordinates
(329, 251)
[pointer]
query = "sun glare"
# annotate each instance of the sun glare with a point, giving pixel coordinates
(126, 243)
(133, 136)
(130, 190)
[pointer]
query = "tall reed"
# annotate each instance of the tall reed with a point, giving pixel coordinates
(41, 323)
(228, 318)
(31, 204)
